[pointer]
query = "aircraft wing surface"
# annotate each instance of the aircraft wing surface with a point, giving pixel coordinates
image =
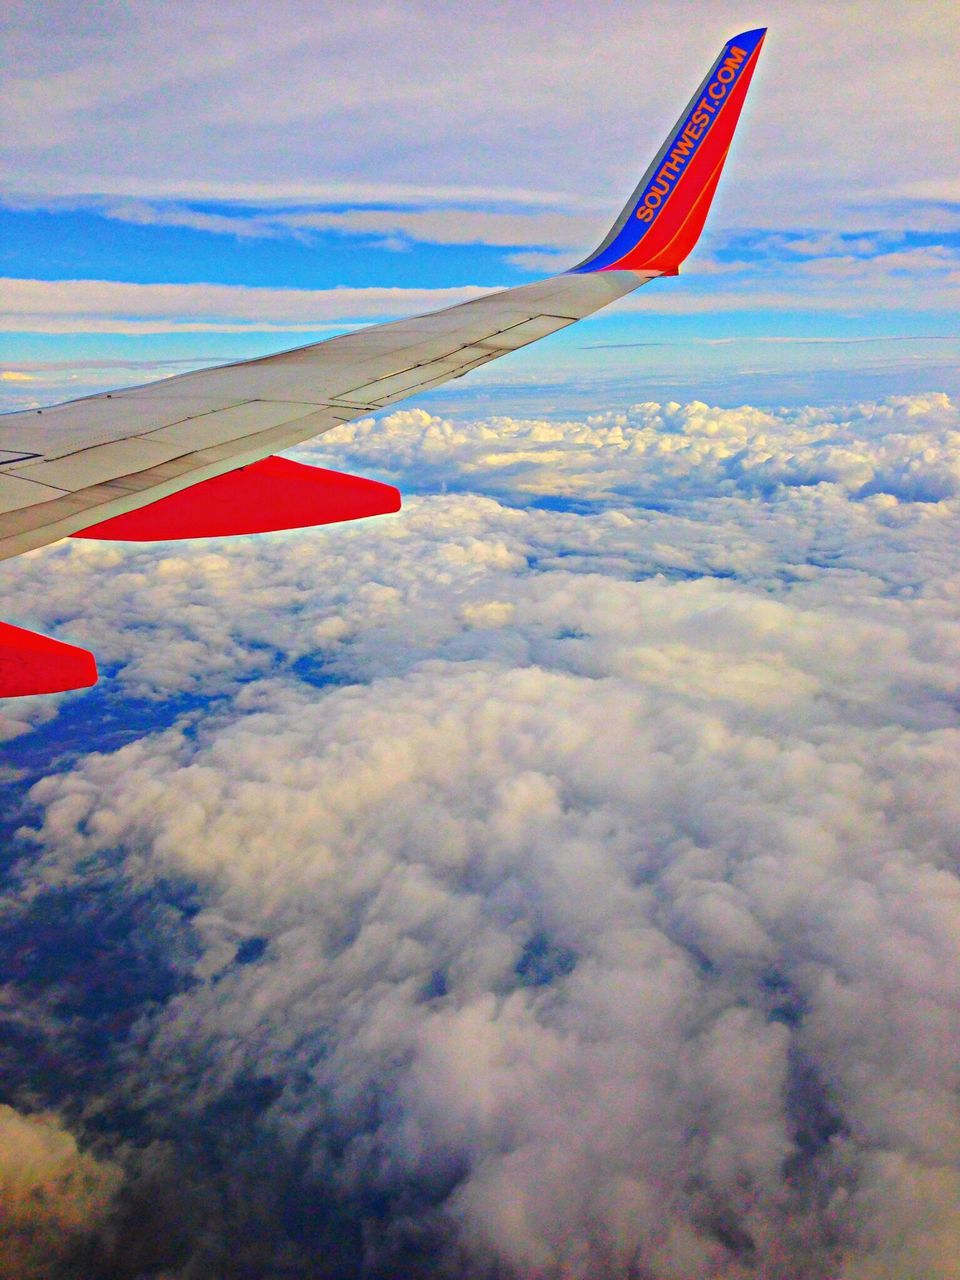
(193, 455)
(65, 468)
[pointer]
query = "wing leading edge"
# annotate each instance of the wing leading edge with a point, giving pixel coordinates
(154, 461)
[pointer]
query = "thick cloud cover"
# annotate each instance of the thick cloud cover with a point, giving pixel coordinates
(512, 887)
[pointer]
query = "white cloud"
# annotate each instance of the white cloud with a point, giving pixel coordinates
(750, 494)
(832, 283)
(620, 859)
(118, 105)
(63, 191)
(456, 226)
(543, 263)
(602, 866)
(920, 280)
(907, 447)
(108, 306)
(448, 225)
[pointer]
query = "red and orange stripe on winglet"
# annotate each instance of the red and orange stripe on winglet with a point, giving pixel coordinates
(662, 220)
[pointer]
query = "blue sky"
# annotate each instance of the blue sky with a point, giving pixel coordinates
(558, 878)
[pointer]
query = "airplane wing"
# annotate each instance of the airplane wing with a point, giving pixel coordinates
(193, 455)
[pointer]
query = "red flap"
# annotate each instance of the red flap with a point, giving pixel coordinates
(273, 494)
(31, 663)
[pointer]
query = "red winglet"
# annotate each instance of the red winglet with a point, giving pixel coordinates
(273, 494)
(662, 220)
(31, 663)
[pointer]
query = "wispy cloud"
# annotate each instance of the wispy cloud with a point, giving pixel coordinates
(58, 190)
(108, 306)
(826, 283)
(451, 225)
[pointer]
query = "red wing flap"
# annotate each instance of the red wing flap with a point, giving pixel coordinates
(31, 663)
(273, 494)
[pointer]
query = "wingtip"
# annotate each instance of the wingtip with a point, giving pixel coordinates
(662, 220)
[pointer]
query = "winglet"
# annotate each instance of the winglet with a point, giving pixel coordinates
(662, 220)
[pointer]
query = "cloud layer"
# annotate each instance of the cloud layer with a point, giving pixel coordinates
(112, 306)
(258, 102)
(562, 890)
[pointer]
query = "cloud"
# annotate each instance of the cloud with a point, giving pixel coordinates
(569, 891)
(434, 226)
(66, 191)
(933, 259)
(945, 188)
(750, 493)
(107, 306)
(610, 880)
(141, 214)
(56, 1199)
(830, 282)
(121, 107)
(543, 263)
(905, 447)
(451, 226)
(848, 283)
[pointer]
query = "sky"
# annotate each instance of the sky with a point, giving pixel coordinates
(559, 879)
(193, 182)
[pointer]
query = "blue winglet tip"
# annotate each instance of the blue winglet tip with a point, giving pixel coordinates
(749, 37)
